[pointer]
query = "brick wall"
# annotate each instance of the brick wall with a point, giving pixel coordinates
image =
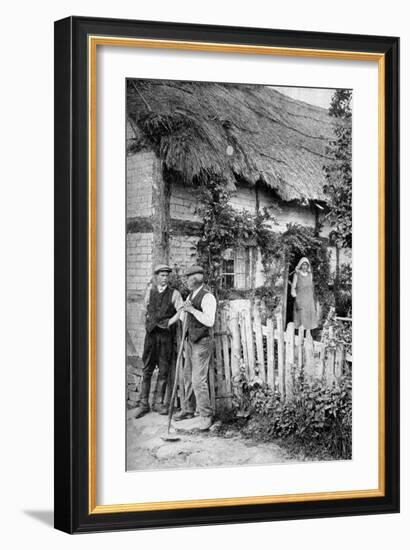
(140, 170)
(183, 203)
(139, 263)
(139, 272)
(182, 252)
(182, 247)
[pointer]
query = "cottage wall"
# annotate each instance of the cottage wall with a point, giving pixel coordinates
(140, 171)
(183, 203)
(244, 198)
(182, 252)
(139, 270)
(182, 243)
(285, 213)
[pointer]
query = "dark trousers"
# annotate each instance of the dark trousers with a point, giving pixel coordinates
(158, 346)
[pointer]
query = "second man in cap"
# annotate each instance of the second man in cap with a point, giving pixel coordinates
(200, 307)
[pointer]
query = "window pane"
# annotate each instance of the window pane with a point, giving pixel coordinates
(228, 281)
(228, 273)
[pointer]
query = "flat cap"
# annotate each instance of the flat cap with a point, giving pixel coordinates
(162, 267)
(193, 270)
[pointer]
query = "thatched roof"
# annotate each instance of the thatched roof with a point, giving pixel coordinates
(273, 139)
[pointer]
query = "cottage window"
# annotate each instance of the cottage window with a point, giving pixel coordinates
(236, 268)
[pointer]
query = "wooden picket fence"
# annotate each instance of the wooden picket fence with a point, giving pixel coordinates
(262, 351)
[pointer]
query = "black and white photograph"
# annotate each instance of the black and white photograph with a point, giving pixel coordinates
(204, 298)
(239, 274)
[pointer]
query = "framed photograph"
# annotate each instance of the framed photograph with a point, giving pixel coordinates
(226, 274)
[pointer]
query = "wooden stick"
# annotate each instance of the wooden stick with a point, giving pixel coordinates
(177, 368)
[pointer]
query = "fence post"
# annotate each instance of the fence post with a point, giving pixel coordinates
(281, 362)
(339, 361)
(225, 350)
(285, 294)
(243, 342)
(309, 368)
(330, 366)
(270, 354)
(211, 375)
(220, 383)
(259, 342)
(249, 343)
(290, 359)
(235, 343)
(301, 331)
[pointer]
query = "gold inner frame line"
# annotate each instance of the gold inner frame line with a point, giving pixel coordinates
(93, 42)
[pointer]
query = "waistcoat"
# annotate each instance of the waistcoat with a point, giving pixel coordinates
(160, 309)
(197, 330)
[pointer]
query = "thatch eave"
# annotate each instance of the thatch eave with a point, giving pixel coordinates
(250, 132)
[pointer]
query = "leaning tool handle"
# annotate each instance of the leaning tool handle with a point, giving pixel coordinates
(177, 366)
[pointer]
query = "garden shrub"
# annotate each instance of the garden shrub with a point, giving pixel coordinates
(316, 419)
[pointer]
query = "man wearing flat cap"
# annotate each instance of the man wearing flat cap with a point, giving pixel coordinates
(162, 305)
(200, 307)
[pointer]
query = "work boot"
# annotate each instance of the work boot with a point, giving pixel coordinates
(159, 407)
(205, 423)
(143, 407)
(183, 415)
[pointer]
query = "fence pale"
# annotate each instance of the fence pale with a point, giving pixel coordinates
(281, 353)
(270, 354)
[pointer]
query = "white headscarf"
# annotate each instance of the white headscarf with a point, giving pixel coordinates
(302, 261)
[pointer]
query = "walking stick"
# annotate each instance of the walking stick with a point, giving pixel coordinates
(169, 436)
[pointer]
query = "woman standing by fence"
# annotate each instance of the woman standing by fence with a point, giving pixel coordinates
(304, 311)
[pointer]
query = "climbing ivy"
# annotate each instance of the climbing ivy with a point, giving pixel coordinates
(338, 170)
(224, 228)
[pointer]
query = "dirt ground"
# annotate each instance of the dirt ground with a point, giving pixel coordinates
(148, 451)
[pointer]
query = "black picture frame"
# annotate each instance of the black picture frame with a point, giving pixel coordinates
(71, 492)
